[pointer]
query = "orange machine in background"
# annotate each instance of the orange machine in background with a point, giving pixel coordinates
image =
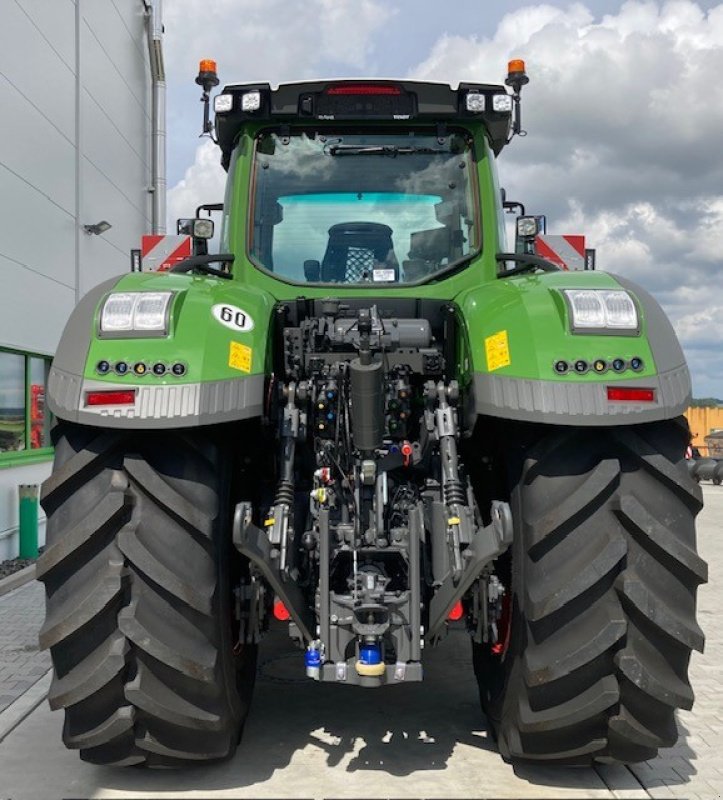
(703, 421)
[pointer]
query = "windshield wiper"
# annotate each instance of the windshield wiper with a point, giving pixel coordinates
(382, 150)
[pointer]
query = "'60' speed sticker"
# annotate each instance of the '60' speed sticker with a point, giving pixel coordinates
(233, 317)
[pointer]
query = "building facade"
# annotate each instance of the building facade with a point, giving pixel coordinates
(75, 150)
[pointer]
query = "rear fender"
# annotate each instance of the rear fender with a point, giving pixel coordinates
(223, 357)
(517, 329)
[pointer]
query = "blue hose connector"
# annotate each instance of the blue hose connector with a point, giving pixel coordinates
(312, 662)
(370, 654)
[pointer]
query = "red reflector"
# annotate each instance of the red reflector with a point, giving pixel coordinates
(111, 398)
(630, 394)
(281, 612)
(364, 88)
(457, 612)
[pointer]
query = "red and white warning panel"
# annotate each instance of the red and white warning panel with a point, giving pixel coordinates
(160, 252)
(568, 252)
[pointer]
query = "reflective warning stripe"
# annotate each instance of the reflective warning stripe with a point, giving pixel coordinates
(567, 252)
(160, 252)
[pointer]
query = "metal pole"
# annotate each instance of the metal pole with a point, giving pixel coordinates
(158, 114)
(28, 520)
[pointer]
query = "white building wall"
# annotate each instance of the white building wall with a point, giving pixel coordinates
(75, 148)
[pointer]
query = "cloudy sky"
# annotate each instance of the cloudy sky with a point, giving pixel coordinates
(624, 112)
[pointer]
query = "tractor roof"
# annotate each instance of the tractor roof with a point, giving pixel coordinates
(360, 100)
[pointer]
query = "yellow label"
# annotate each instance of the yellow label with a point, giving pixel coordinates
(497, 350)
(239, 357)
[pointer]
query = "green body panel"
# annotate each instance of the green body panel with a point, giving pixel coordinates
(532, 312)
(196, 337)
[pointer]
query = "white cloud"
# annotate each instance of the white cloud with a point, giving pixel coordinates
(270, 40)
(203, 182)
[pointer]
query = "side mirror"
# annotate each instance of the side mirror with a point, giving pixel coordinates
(526, 231)
(197, 227)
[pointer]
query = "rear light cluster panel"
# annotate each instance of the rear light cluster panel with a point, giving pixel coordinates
(139, 369)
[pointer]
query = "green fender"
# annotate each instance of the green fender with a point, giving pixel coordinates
(516, 329)
(224, 363)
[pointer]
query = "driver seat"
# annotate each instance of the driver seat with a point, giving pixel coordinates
(353, 250)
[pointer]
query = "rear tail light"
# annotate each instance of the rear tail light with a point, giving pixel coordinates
(629, 394)
(125, 397)
(457, 612)
(363, 89)
(281, 612)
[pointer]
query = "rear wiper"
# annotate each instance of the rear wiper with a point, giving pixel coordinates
(381, 150)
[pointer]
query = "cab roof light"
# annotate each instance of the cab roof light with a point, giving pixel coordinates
(207, 79)
(113, 397)
(367, 89)
(516, 67)
(516, 79)
(502, 103)
(630, 394)
(251, 101)
(475, 102)
(223, 103)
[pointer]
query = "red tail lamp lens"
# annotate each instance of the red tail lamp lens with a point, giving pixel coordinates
(457, 612)
(281, 612)
(111, 398)
(363, 89)
(628, 394)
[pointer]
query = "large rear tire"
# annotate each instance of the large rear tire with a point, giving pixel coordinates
(137, 574)
(604, 577)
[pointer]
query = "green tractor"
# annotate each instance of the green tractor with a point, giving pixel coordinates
(364, 416)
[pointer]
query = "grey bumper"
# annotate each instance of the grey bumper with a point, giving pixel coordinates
(182, 405)
(566, 403)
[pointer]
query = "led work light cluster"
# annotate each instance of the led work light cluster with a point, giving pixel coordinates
(601, 311)
(475, 102)
(134, 314)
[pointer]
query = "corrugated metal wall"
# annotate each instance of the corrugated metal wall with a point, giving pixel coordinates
(75, 149)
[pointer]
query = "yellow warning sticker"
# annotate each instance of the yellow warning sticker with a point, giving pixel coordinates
(239, 357)
(497, 349)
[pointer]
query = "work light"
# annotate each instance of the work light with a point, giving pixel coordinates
(251, 101)
(502, 103)
(475, 102)
(596, 309)
(223, 103)
(129, 313)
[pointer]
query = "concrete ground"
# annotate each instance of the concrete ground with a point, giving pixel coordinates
(423, 740)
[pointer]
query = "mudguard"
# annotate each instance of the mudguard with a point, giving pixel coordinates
(222, 357)
(517, 329)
